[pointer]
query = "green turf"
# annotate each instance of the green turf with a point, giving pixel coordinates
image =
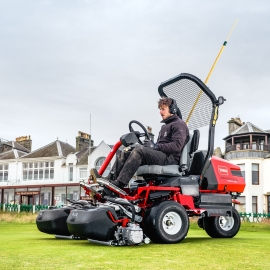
(22, 246)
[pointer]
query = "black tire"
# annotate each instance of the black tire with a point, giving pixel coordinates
(223, 227)
(167, 223)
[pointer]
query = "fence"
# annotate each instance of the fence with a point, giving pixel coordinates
(22, 207)
(245, 217)
(254, 217)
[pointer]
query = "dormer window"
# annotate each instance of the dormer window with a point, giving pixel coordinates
(99, 163)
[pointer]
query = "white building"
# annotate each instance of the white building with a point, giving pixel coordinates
(50, 174)
(249, 147)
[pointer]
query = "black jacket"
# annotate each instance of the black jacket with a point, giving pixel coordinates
(172, 136)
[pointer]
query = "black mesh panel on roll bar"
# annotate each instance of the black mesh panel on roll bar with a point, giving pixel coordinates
(185, 91)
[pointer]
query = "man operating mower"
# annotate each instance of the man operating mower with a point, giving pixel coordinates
(172, 137)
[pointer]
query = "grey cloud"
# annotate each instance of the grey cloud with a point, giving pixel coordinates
(62, 60)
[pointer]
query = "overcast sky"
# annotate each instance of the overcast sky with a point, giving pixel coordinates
(62, 60)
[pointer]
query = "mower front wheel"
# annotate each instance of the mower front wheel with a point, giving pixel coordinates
(223, 226)
(167, 223)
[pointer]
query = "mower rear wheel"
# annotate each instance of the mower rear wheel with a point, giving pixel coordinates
(223, 226)
(167, 223)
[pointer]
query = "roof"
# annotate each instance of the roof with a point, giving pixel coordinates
(82, 156)
(11, 154)
(54, 149)
(7, 155)
(247, 128)
(17, 146)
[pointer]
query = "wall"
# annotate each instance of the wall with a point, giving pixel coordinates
(255, 190)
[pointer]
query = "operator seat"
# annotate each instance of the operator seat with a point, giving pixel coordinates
(175, 170)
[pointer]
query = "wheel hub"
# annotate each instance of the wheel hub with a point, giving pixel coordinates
(171, 223)
(226, 223)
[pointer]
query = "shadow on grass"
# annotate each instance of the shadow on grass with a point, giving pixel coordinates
(188, 240)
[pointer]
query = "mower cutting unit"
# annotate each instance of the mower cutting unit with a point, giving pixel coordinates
(158, 205)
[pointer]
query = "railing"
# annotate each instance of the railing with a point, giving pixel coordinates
(254, 217)
(8, 207)
(248, 146)
(245, 217)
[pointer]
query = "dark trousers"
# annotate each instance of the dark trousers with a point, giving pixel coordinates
(128, 162)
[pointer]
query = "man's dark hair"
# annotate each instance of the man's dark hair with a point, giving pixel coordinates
(164, 101)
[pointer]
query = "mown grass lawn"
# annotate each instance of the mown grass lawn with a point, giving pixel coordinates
(22, 246)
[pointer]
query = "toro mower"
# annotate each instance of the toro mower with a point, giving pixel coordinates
(157, 205)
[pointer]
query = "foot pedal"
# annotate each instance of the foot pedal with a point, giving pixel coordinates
(107, 183)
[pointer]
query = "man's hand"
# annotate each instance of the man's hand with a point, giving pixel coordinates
(149, 144)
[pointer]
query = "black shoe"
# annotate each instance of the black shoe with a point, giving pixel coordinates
(94, 175)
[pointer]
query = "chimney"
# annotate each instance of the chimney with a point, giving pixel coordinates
(149, 130)
(218, 153)
(234, 124)
(82, 141)
(25, 141)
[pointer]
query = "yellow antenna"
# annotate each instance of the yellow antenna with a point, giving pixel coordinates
(210, 72)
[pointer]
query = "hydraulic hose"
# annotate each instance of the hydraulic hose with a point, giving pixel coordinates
(123, 202)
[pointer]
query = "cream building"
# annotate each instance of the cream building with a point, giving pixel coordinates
(50, 174)
(249, 147)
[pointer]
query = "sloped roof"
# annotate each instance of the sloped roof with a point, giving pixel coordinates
(54, 149)
(7, 155)
(11, 154)
(20, 154)
(66, 148)
(17, 146)
(82, 156)
(247, 128)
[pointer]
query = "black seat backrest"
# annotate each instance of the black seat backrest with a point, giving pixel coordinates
(195, 141)
(190, 147)
(197, 163)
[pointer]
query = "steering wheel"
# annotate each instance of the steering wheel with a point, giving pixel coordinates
(137, 133)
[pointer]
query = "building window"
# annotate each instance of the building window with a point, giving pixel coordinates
(98, 165)
(73, 193)
(261, 145)
(254, 204)
(245, 146)
(255, 174)
(38, 170)
(59, 196)
(268, 204)
(243, 169)
(71, 172)
(83, 173)
(242, 206)
(3, 172)
(46, 196)
(254, 146)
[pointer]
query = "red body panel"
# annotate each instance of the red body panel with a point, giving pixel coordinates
(225, 179)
